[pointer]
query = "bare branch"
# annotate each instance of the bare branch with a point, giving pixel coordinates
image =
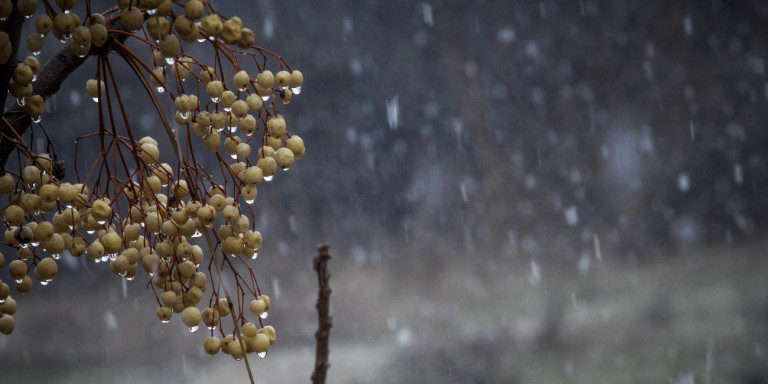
(11, 26)
(324, 320)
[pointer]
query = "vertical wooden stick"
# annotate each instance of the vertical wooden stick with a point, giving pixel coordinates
(324, 320)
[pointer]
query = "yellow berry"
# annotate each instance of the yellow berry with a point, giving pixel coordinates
(191, 316)
(265, 79)
(212, 345)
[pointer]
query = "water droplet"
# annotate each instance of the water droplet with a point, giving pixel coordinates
(262, 354)
(36, 53)
(286, 169)
(95, 99)
(738, 174)
(197, 234)
(200, 39)
(90, 232)
(165, 321)
(254, 256)
(2, 301)
(233, 156)
(227, 109)
(250, 201)
(214, 99)
(264, 315)
(66, 11)
(130, 278)
(34, 77)
(296, 90)
(101, 222)
(37, 119)
(212, 328)
(160, 89)
(21, 101)
(56, 256)
(151, 11)
(268, 178)
(19, 281)
(265, 98)
(170, 60)
(683, 182)
(393, 112)
(193, 329)
(27, 17)
(571, 216)
(185, 115)
(44, 282)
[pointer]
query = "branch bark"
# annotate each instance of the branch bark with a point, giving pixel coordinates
(11, 26)
(48, 83)
(324, 320)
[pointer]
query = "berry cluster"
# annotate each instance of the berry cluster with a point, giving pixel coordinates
(189, 229)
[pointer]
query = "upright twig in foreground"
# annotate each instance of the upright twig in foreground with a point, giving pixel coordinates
(324, 320)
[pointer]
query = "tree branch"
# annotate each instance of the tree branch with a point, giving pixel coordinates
(324, 320)
(48, 82)
(11, 26)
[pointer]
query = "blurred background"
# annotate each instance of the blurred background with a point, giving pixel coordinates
(515, 192)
